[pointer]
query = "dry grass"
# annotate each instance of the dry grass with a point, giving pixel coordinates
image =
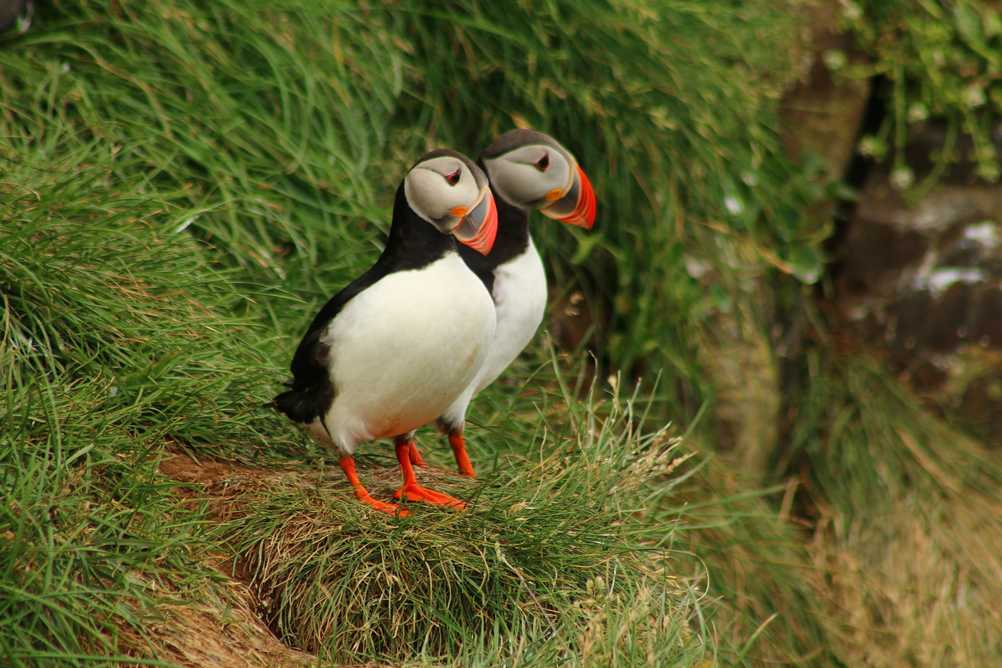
(218, 627)
(907, 526)
(919, 587)
(754, 563)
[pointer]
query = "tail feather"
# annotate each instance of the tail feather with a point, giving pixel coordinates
(304, 405)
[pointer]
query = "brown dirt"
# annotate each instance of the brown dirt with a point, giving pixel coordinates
(217, 626)
(220, 482)
(221, 631)
(226, 628)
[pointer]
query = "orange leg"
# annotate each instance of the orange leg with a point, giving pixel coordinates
(416, 458)
(348, 466)
(411, 490)
(458, 444)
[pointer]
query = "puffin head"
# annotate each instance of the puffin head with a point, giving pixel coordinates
(448, 190)
(531, 170)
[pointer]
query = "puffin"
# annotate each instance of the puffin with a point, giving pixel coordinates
(528, 170)
(395, 348)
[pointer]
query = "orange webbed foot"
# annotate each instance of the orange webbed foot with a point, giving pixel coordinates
(383, 506)
(411, 490)
(348, 466)
(415, 492)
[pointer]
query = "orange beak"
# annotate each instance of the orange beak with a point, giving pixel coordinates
(479, 227)
(577, 206)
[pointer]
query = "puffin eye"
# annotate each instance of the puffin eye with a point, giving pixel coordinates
(453, 178)
(543, 162)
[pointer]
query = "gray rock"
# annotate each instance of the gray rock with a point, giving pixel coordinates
(15, 13)
(921, 285)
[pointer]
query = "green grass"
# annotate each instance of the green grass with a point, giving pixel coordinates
(940, 58)
(182, 184)
(89, 527)
(306, 116)
(548, 547)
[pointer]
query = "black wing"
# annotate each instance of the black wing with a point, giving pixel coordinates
(412, 244)
(311, 390)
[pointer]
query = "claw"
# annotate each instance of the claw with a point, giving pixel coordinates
(416, 492)
(383, 506)
(411, 490)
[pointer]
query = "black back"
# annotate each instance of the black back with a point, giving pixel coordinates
(511, 241)
(514, 139)
(412, 244)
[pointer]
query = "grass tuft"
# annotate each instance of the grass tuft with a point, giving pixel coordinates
(542, 541)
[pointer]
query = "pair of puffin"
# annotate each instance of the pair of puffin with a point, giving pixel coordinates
(432, 323)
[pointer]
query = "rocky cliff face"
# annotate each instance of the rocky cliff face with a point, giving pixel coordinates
(921, 284)
(15, 14)
(743, 349)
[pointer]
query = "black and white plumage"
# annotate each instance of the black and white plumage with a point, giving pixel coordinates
(394, 348)
(528, 170)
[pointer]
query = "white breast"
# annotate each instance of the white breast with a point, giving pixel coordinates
(520, 301)
(404, 348)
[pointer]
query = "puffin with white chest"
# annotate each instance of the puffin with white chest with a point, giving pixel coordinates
(527, 170)
(396, 347)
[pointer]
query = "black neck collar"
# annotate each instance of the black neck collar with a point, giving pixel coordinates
(512, 240)
(413, 242)
(513, 232)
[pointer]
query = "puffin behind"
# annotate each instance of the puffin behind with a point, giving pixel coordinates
(528, 170)
(394, 348)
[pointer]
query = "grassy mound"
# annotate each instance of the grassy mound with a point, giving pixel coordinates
(542, 541)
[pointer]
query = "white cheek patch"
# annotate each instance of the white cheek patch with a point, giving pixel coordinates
(429, 193)
(420, 188)
(466, 192)
(516, 182)
(527, 154)
(515, 177)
